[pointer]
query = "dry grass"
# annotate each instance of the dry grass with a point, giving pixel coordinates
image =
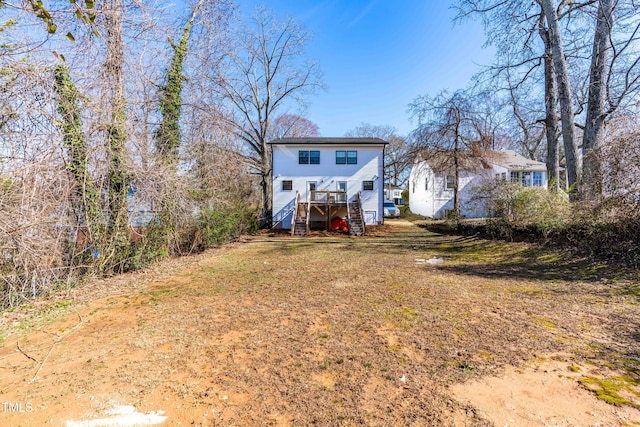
(328, 330)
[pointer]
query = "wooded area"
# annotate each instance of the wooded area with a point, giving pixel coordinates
(133, 131)
(563, 89)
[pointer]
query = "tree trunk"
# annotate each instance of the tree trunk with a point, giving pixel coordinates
(84, 198)
(456, 162)
(594, 125)
(564, 96)
(118, 180)
(266, 183)
(551, 116)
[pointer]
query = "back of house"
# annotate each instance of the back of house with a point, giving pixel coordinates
(329, 176)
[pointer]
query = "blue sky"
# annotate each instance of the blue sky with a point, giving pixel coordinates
(378, 55)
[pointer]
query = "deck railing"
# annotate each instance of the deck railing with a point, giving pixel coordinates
(328, 197)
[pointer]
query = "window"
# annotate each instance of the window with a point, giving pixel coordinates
(287, 185)
(303, 157)
(515, 177)
(367, 185)
(314, 157)
(306, 157)
(346, 157)
(537, 179)
(352, 157)
(526, 179)
(451, 182)
(426, 183)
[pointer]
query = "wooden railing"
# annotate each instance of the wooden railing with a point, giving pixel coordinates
(328, 197)
(308, 225)
(359, 202)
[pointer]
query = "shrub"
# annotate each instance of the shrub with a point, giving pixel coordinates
(225, 224)
(515, 207)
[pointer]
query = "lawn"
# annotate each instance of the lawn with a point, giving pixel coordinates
(329, 330)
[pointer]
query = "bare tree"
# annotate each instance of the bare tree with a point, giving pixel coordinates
(397, 155)
(614, 80)
(263, 75)
(611, 62)
(574, 172)
(446, 133)
(292, 126)
(551, 109)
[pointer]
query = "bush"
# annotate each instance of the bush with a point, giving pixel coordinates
(515, 207)
(225, 224)
(606, 228)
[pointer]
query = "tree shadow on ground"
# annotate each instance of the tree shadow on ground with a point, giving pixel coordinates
(475, 256)
(478, 256)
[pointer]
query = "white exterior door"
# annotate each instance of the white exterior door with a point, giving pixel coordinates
(342, 186)
(311, 187)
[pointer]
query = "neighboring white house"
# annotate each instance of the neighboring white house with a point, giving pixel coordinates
(329, 177)
(432, 181)
(393, 193)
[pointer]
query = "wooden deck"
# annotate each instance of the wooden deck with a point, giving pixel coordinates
(327, 205)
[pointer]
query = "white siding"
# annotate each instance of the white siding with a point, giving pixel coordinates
(434, 201)
(326, 175)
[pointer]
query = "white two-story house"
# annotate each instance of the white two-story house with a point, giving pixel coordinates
(317, 181)
(432, 180)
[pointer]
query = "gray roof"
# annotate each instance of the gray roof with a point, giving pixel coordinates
(328, 141)
(443, 160)
(513, 161)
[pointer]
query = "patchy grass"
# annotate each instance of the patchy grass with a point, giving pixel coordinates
(613, 389)
(331, 329)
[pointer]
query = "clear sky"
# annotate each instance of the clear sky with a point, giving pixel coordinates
(379, 55)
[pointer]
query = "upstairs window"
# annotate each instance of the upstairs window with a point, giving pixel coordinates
(346, 157)
(314, 157)
(303, 157)
(352, 157)
(367, 185)
(287, 185)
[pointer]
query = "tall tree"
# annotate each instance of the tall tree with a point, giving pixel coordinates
(446, 133)
(262, 76)
(168, 134)
(83, 196)
(591, 50)
(574, 172)
(551, 109)
(614, 80)
(116, 136)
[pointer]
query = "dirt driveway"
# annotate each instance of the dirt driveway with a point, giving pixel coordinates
(403, 328)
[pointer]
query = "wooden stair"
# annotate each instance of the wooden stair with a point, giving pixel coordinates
(356, 225)
(300, 224)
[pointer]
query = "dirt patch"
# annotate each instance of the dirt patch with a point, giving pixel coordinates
(544, 392)
(325, 331)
